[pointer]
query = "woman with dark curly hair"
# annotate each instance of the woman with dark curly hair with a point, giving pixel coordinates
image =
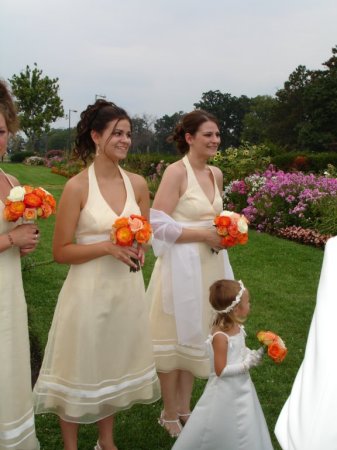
(16, 405)
(190, 259)
(98, 358)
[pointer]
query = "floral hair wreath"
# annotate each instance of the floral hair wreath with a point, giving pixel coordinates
(234, 302)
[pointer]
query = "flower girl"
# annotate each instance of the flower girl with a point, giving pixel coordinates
(228, 414)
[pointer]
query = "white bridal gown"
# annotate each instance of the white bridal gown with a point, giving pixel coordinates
(307, 420)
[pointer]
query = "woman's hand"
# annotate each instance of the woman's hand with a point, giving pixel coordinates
(25, 236)
(213, 239)
(124, 254)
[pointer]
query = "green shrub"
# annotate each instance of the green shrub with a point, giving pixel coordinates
(19, 157)
(237, 163)
(304, 161)
(325, 213)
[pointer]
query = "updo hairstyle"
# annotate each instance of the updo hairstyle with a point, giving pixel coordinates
(190, 123)
(96, 118)
(8, 109)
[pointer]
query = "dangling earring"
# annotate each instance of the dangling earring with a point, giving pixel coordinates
(97, 150)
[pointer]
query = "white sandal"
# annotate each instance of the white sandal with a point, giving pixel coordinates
(97, 446)
(164, 422)
(183, 421)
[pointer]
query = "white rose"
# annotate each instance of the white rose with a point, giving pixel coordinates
(16, 194)
(227, 213)
(242, 225)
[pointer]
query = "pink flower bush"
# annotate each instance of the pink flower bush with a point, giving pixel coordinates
(276, 199)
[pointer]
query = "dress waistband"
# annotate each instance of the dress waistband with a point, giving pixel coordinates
(93, 238)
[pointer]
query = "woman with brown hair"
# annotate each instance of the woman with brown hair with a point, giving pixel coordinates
(98, 358)
(17, 429)
(190, 259)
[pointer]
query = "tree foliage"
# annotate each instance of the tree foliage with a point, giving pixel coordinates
(164, 128)
(38, 101)
(229, 111)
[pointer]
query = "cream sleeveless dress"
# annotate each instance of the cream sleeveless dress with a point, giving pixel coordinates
(98, 359)
(17, 431)
(192, 207)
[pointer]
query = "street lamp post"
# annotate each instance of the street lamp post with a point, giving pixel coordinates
(99, 96)
(69, 130)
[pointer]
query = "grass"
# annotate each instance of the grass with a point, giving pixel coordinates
(282, 277)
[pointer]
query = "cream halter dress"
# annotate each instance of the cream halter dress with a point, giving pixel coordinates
(193, 210)
(98, 358)
(17, 431)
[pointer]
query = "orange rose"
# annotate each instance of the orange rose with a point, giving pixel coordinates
(124, 236)
(222, 221)
(136, 216)
(233, 230)
(28, 189)
(51, 202)
(277, 350)
(13, 211)
(136, 224)
(121, 222)
(266, 337)
(45, 210)
(242, 238)
(40, 193)
(143, 236)
(228, 241)
(32, 200)
(30, 214)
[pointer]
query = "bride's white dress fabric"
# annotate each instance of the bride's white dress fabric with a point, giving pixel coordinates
(307, 420)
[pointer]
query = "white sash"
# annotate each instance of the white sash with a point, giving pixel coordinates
(181, 276)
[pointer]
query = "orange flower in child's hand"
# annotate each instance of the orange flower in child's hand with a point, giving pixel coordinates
(266, 337)
(242, 238)
(40, 193)
(28, 189)
(277, 350)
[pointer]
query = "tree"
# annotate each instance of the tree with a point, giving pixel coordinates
(38, 102)
(256, 122)
(164, 128)
(142, 134)
(229, 111)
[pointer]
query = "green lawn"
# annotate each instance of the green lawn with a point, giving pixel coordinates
(282, 277)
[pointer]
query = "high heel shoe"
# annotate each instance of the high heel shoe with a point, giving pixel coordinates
(166, 425)
(181, 418)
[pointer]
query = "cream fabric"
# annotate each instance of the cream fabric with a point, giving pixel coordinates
(307, 420)
(192, 209)
(17, 431)
(98, 358)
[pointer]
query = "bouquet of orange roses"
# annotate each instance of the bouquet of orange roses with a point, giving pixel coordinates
(233, 228)
(29, 204)
(277, 350)
(130, 231)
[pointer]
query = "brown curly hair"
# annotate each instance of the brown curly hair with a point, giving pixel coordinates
(190, 123)
(95, 117)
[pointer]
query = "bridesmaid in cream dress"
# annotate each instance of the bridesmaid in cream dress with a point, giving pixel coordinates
(98, 358)
(188, 199)
(17, 430)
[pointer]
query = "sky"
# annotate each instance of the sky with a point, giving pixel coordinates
(158, 57)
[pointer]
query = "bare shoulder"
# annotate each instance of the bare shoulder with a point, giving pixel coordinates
(77, 184)
(137, 181)
(13, 180)
(217, 173)
(175, 171)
